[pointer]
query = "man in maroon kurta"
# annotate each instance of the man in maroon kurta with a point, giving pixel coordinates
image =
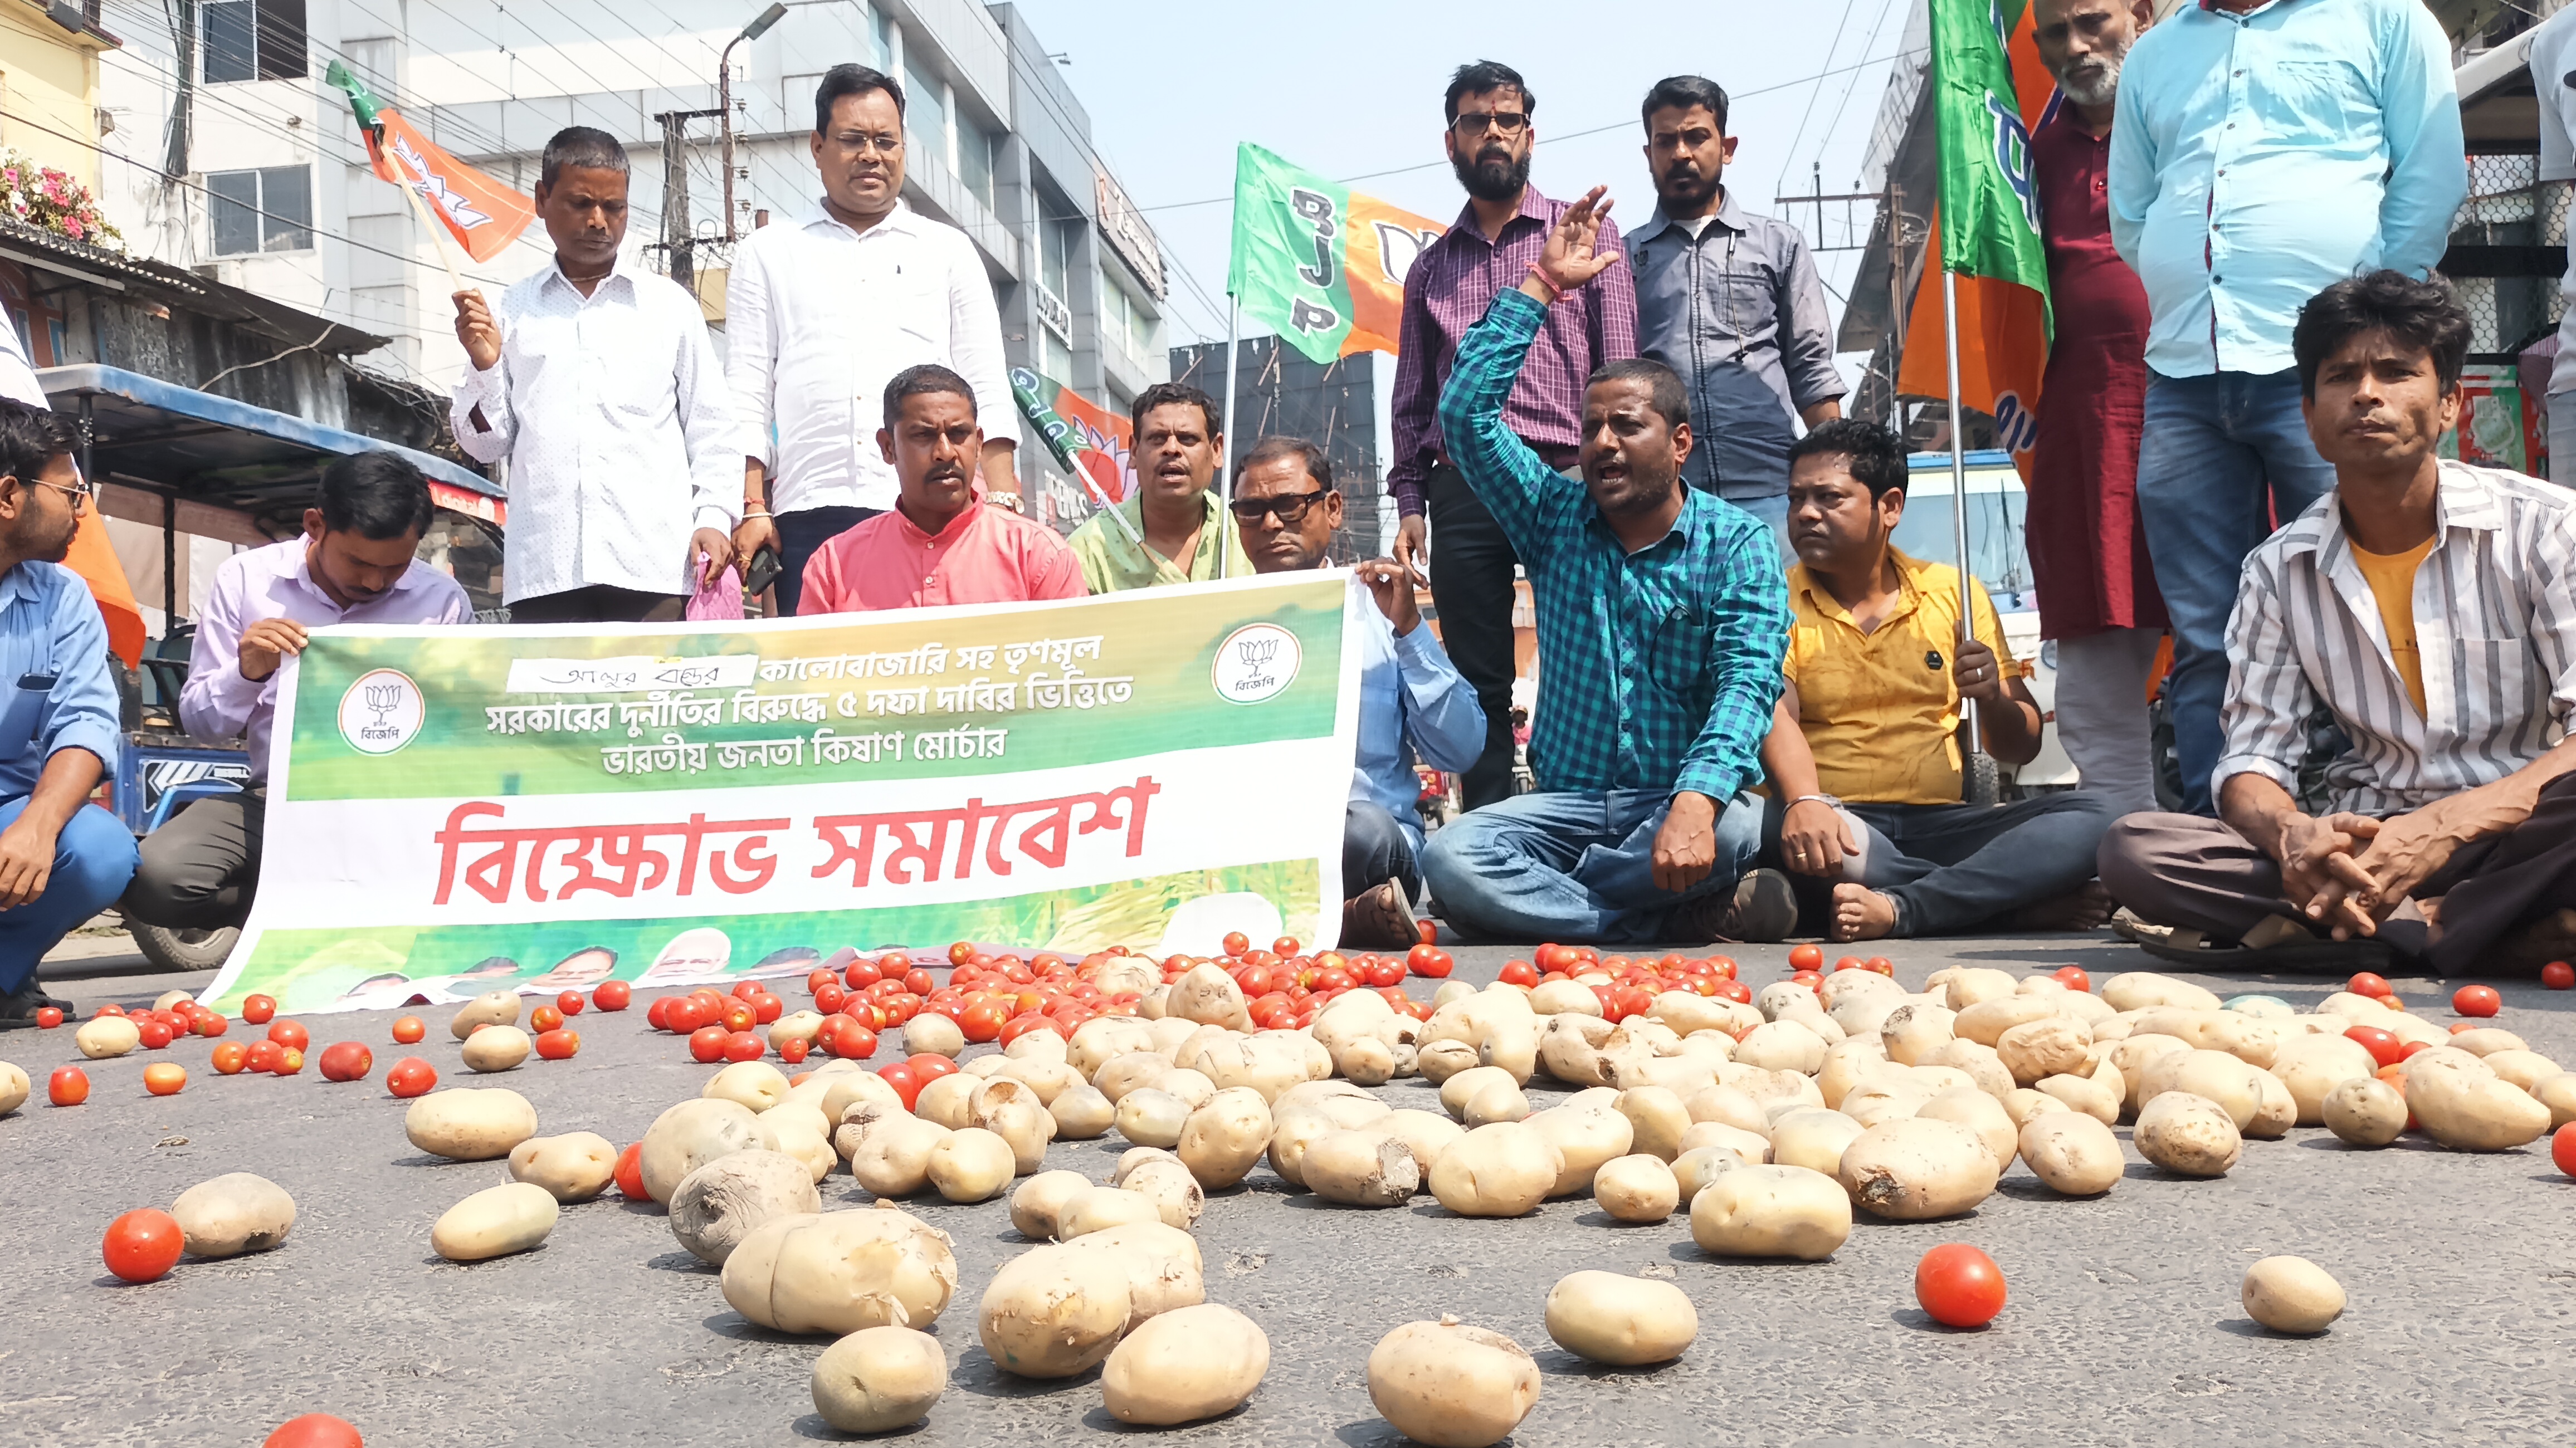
(2097, 591)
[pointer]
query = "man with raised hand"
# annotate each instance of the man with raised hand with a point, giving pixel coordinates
(2427, 604)
(1175, 531)
(1452, 283)
(596, 381)
(1413, 705)
(822, 310)
(942, 542)
(1661, 619)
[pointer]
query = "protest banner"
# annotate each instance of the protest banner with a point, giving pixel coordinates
(456, 810)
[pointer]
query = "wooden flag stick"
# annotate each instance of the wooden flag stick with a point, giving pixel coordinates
(438, 233)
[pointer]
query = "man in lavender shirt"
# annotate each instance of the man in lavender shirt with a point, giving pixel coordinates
(1495, 242)
(353, 564)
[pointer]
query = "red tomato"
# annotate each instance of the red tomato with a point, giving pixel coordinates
(744, 1046)
(738, 1017)
(2071, 976)
(766, 1008)
(142, 1246)
(1236, 942)
(264, 1056)
(314, 1430)
(1959, 1285)
(258, 1009)
(1736, 990)
(1883, 965)
(411, 1076)
(918, 982)
(2368, 984)
(707, 1043)
(2562, 1148)
(408, 1031)
(207, 1023)
(1806, 957)
(1724, 965)
(2477, 1000)
(1285, 945)
(2383, 1047)
(1850, 962)
(792, 1051)
(630, 1172)
(1430, 932)
(2411, 1047)
(1807, 978)
(906, 1085)
(930, 1066)
(817, 979)
(2558, 975)
(612, 995)
(960, 953)
(165, 1078)
(1430, 962)
(830, 997)
(68, 1086)
(899, 1008)
(1020, 1025)
(569, 1003)
(1391, 972)
(851, 1041)
(658, 1014)
(230, 1057)
(346, 1061)
(982, 1022)
(155, 1034)
(290, 1060)
(1611, 1007)
(48, 1017)
(558, 1044)
(289, 1034)
(1519, 972)
(544, 1019)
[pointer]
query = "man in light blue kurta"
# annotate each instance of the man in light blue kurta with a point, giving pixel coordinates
(2263, 150)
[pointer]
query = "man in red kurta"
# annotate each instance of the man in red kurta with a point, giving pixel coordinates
(2097, 591)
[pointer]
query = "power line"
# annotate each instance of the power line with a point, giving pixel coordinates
(1789, 157)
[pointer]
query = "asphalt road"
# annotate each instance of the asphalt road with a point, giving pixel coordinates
(2124, 1325)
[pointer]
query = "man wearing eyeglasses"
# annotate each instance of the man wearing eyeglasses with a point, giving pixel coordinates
(1413, 705)
(820, 312)
(60, 864)
(1495, 240)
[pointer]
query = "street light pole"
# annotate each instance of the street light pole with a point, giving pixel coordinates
(724, 99)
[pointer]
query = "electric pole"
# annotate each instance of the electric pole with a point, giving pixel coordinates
(677, 234)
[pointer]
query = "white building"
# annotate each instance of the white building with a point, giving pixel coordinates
(237, 159)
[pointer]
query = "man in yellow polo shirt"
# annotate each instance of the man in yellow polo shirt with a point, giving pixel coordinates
(1864, 759)
(1175, 531)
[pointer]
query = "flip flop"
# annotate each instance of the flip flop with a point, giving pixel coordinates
(2200, 950)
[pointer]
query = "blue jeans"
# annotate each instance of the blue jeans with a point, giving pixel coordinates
(93, 858)
(1574, 868)
(1953, 867)
(2222, 461)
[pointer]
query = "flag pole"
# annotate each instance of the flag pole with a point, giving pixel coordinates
(1225, 463)
(437, 233)
(1959, 495)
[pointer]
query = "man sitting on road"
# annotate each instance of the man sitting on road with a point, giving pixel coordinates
(1180, 444)
(1661, 622)
(2427, 603)
(1864, 755)
(1413, 704)
(941, 543)
(353, 564)
(60, 862)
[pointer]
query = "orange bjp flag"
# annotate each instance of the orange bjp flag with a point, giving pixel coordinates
(94, 559)
(482, 214)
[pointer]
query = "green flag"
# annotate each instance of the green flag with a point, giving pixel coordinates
(1318, 261)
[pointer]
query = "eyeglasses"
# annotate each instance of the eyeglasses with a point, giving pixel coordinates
(81, 493)
(883, 144)
(1476, 123)
(1290, 508)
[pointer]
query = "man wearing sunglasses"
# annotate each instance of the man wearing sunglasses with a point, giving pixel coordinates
(1413, 705)
(1452, 282)
(60, 864)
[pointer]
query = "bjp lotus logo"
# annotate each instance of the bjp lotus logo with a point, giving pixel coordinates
(380, 712)
(1256, 662)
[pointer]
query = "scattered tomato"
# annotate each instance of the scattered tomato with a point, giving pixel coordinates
(155, 1034)
(1430, 962)
(48, 1017)
(2368, 984)
(290, 1060)
(2383, 1046)
(409, 1030)
(1959, 1285)
(2558, 975)
(707, 1043)
(230, 1057)
(1806, 957)
(792, 1051)
(314, 1430)
(906, 1085)
(143, 1245)
(2073, 978)
(2562, 1148)
(630, 1172)
(1430, 931)
(68, 1086)
(543, 1019)
(612, 995)
(918, 982)
(738, 1017)
(744, 1046)
(411, 1076)
(164, 1078)
(2411, 1047)
(2477, 1000)
(288, 1033)
(1285, 945)
(346, 1061)
(207, 1023)
(1880, 964)
(766, 1008)
(1236, 942)
(852, 1041)
(558, 1044)
(1520, 972)
(263, 1056)
(258, 1009)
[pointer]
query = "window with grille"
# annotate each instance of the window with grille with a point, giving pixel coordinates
(251, 40)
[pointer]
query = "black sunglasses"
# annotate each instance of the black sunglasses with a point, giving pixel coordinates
(1290, 507)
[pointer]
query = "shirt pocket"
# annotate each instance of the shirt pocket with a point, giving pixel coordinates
(22, 716)
(2325, 103)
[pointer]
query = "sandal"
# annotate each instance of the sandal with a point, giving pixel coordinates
(2276, 946)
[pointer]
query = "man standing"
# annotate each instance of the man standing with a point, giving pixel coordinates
(1413, 705)
(2553, 79)
(60, 862)
(942, 542)
(2088, 552)
(1496, 239)
(2264, 150)
(353, 564)
(1731, 301)
(2426, 603)
(821, 312)
(1180, 443)
(1662, 620)
(599, 385)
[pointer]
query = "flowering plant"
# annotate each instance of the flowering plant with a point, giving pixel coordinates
(49, 200)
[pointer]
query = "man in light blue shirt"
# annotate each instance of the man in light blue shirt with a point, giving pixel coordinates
(2262, 151)
(1413, 704)
(61, 862)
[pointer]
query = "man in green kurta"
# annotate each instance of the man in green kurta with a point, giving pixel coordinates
(1180, 443)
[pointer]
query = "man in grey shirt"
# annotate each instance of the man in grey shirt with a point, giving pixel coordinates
(1729, 300)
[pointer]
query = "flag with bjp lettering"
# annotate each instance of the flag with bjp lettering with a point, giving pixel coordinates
(1989, 93)
(1320, 262)
(1086, 438)
(481, 213)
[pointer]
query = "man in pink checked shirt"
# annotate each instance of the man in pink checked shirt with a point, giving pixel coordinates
(353, 564)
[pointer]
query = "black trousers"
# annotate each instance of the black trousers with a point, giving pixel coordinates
(1471, 583)
(600, 603)
(801, 535)
(199, 871)
(1375, 850)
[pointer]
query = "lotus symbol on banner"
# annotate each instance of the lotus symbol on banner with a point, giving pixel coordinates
(381, 712)
(1256, 662)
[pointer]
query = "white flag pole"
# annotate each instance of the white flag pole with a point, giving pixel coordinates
(1225, 460)
(1959, 497)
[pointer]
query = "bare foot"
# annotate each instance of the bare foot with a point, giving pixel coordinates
(2087, 907)
(1861, 913)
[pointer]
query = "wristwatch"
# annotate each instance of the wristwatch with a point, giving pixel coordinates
(1008, 500)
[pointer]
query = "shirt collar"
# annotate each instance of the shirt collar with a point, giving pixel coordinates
(302, 574)
(899, 219)
(1728, 215)
(1534, 205)
(21, 582)
(621, 268)
(958, 527)
(2462, 498)
(1909, 588)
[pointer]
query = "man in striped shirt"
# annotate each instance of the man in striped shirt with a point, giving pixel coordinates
(1662, 619)
(2430, 605)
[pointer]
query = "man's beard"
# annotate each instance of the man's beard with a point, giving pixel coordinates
(1696, 192)
(1492, 180)
(2098, 84)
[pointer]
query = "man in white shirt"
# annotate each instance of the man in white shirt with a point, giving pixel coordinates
(2553, 79)
(821, 313)
(598, 383)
